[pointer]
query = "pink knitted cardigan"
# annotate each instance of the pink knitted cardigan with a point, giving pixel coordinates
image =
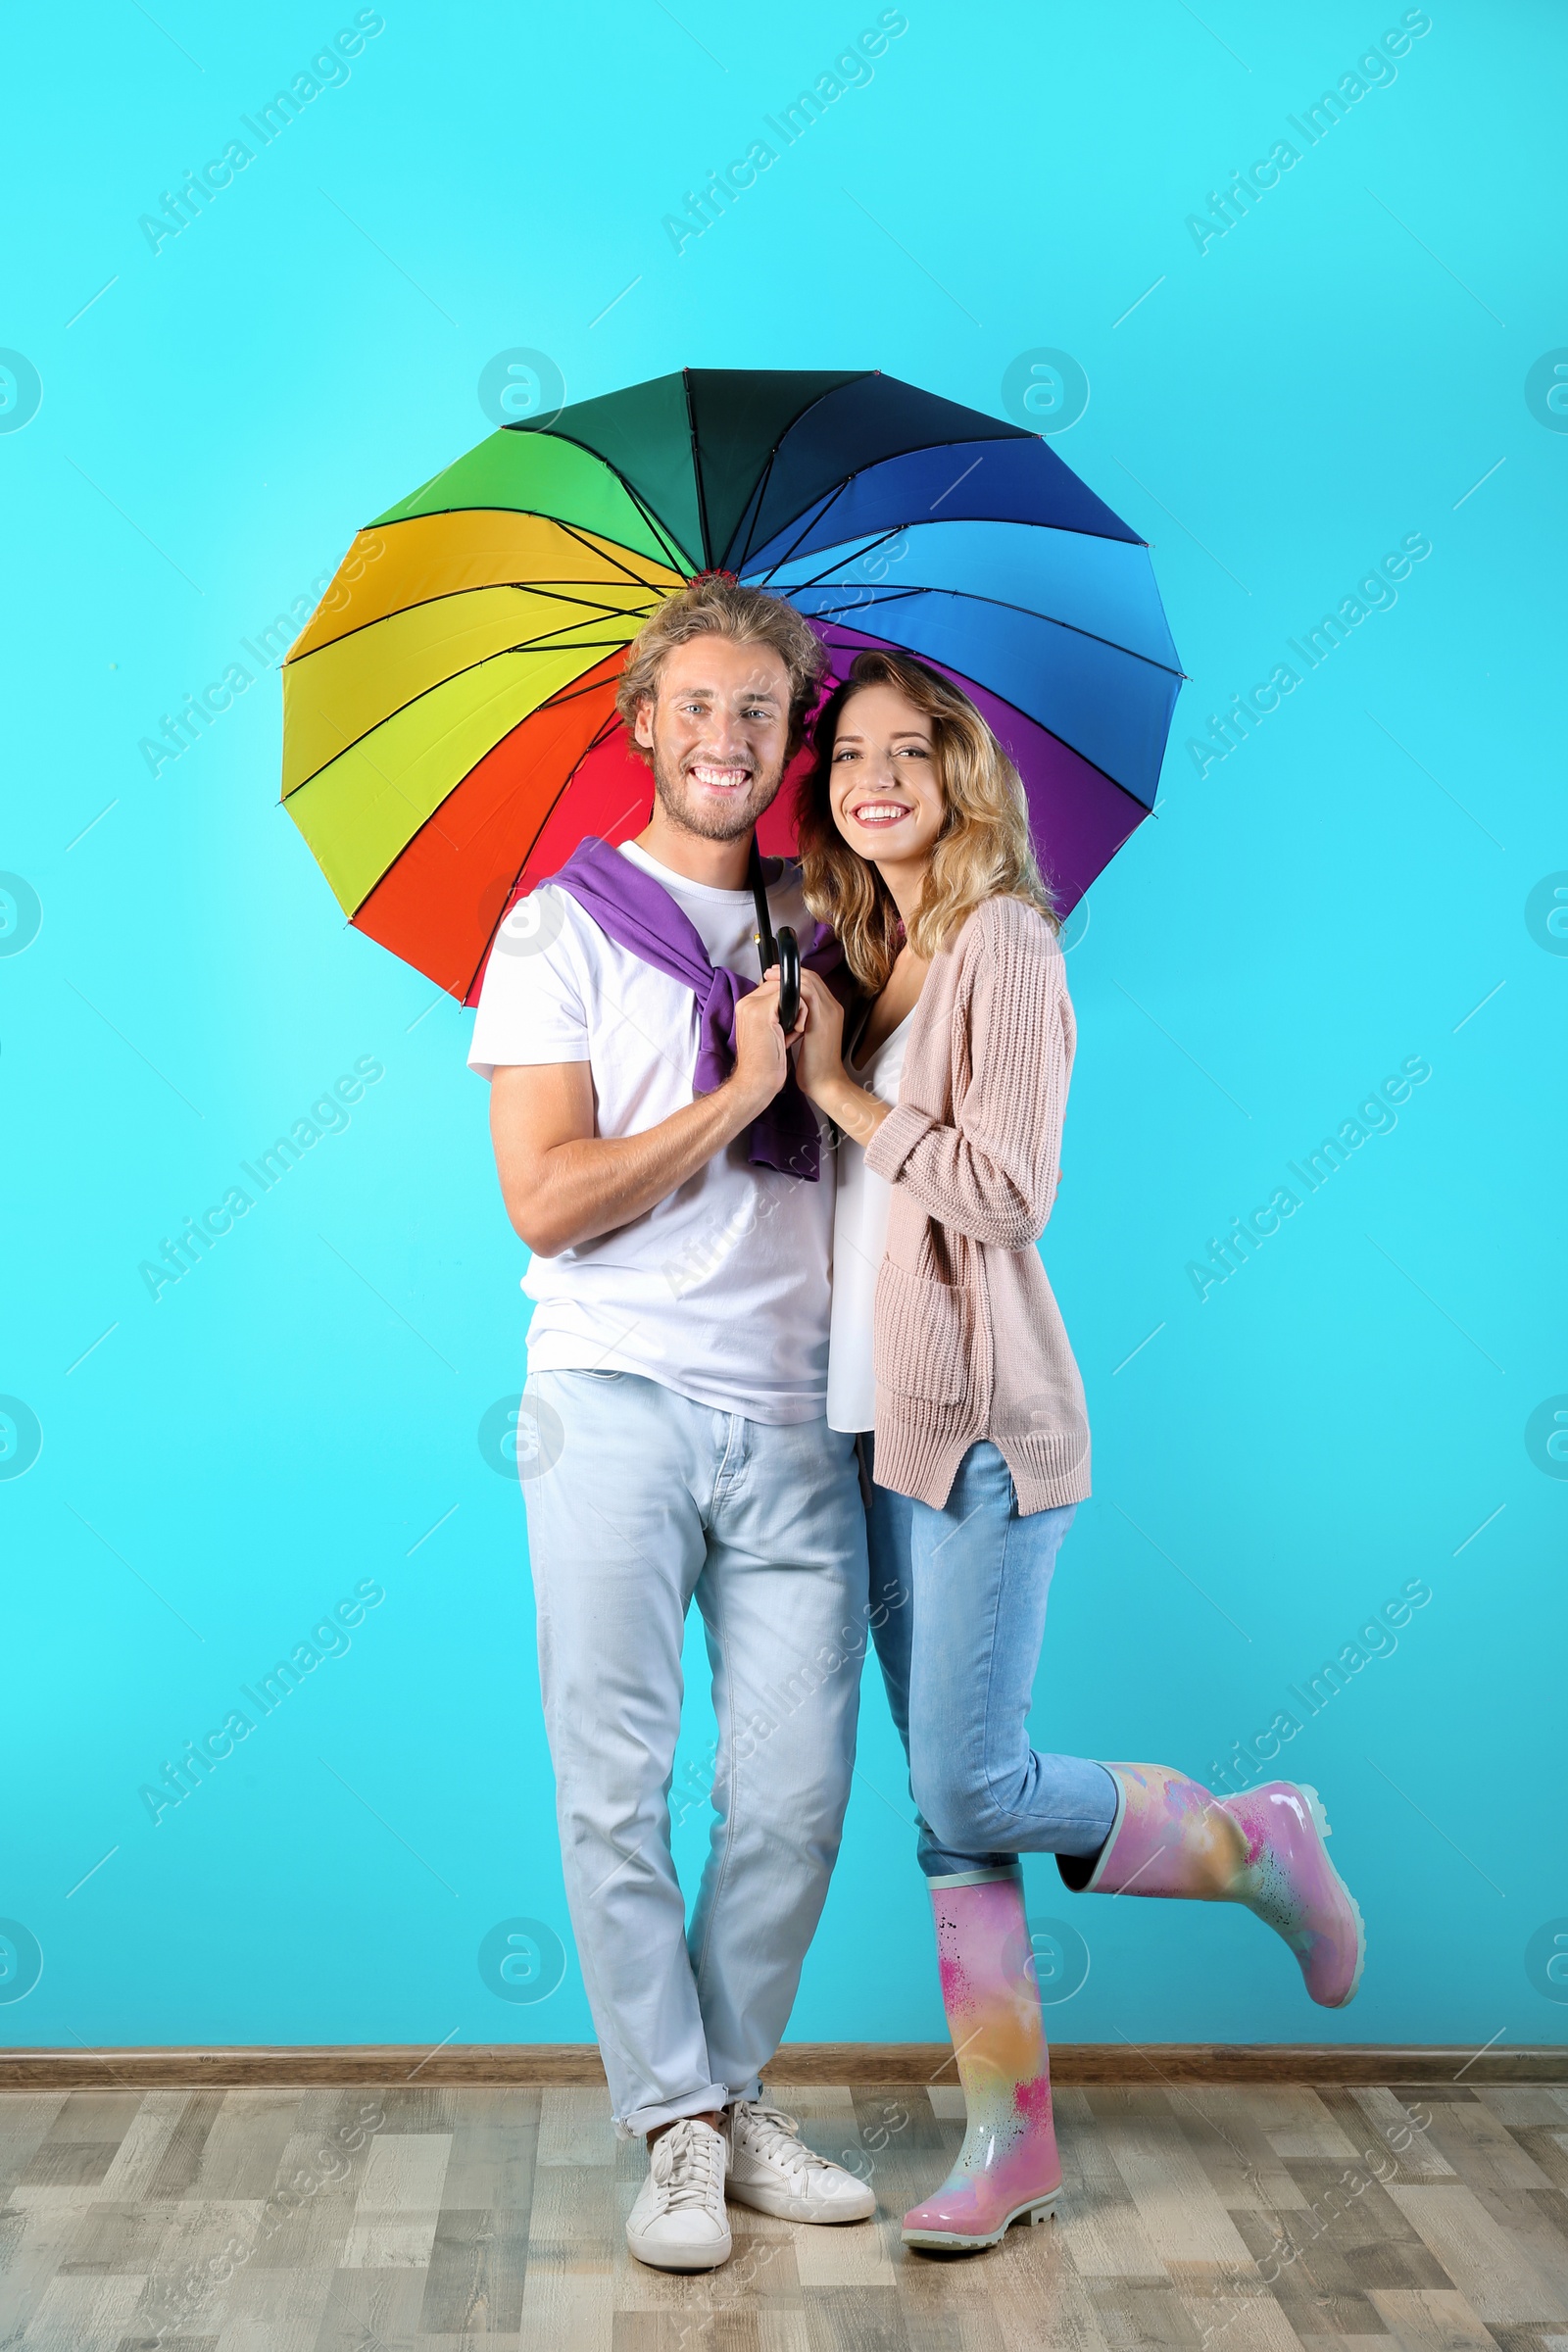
(968, 1341)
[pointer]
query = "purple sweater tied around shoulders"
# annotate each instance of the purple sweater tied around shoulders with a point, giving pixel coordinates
(637, 913)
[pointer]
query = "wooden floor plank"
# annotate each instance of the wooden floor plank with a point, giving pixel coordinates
(1486, 2266)
(1536, 2222)
(473, 2282)
(243, 2151)
(1234, 2150)
(1182, 2216)
(1232, 2306)
(145, 2146)
(366, 2307)
(1547, 2150)
(274, 2310)
(65, 2172)
(118, 2238)
(1404, 2127)
(1483, 2151)
(190, 2287)
(1316, 2281)
(574, 2128)
(33, 2241)
(89, 2312)
(96, 2115)
(1431, 2320)
(1035, 2303)
(1098, 2221)
(178, 2165)
(1143, 2319)
(1311, 2131)
(494, 2143)
(1525, 2104)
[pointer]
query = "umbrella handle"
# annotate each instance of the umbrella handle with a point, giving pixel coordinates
(785, 951)
(766, 950)
(758, 887)
(789, 978)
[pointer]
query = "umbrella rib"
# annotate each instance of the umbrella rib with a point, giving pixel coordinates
(616, 548)
(759, 487)
(891, 456)
(680, 555)
(392, 786)
(353, 743)
(754, 506)
(883, 457)
(611, 550)
(606, 729)
(677, 555)
(823, 508)
(950, 669)
(1011, 523)
(859, 554)
(697, 470)
(567, 694)
(431, 818)
(607, 551)
(1003, 604)
(874, 541)
(442, 596)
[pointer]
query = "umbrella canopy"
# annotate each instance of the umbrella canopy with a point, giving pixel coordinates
(450, 731)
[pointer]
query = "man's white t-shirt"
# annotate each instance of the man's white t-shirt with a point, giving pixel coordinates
(721, 1291)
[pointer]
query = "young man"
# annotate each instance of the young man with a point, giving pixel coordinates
(677, 1362)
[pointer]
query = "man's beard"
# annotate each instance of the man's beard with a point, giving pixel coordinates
(712, 822)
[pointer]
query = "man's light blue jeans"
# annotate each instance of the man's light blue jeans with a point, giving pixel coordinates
(958, 1610)
(655, 1501)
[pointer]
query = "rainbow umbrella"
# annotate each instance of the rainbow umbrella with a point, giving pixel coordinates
(450, 732)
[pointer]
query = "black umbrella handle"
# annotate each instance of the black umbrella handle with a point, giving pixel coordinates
(789, 978)
(785, 951)
(766, 950)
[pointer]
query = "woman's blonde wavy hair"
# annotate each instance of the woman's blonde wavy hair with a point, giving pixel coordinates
(984, 850)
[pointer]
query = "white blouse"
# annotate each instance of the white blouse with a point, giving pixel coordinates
(859, 1240)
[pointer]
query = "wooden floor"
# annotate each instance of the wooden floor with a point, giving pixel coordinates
(1248, 2218)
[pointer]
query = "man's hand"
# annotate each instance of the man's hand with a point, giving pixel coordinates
(761, 1050)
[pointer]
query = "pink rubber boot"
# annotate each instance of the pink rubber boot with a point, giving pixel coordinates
(1264, 1849)
(1007, 2166)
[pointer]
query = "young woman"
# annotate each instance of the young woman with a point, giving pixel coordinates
(946, 1344)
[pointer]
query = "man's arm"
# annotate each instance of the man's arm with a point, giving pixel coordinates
(564, 1184)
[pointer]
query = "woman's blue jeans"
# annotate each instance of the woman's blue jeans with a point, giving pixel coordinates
(958, 1615)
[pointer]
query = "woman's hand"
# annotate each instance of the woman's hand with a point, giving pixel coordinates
(819, 1060)
(820, 1064)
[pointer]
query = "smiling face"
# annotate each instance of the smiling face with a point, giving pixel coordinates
(884, 785)
(718, 732)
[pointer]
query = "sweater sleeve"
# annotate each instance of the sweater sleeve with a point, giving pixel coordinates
(992, 1174)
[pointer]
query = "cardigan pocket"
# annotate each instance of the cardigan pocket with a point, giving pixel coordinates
(917, 1344)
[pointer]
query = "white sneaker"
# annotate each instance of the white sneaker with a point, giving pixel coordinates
(771, 2168)
(678, 2222)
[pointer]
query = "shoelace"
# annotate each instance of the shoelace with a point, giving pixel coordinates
(683, 2166)
(773, 2125)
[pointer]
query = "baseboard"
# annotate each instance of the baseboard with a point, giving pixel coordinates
(566, 2063)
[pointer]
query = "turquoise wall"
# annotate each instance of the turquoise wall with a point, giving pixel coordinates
(295, 1445)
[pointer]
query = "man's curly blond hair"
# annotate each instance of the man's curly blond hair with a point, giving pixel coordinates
(715, 605)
